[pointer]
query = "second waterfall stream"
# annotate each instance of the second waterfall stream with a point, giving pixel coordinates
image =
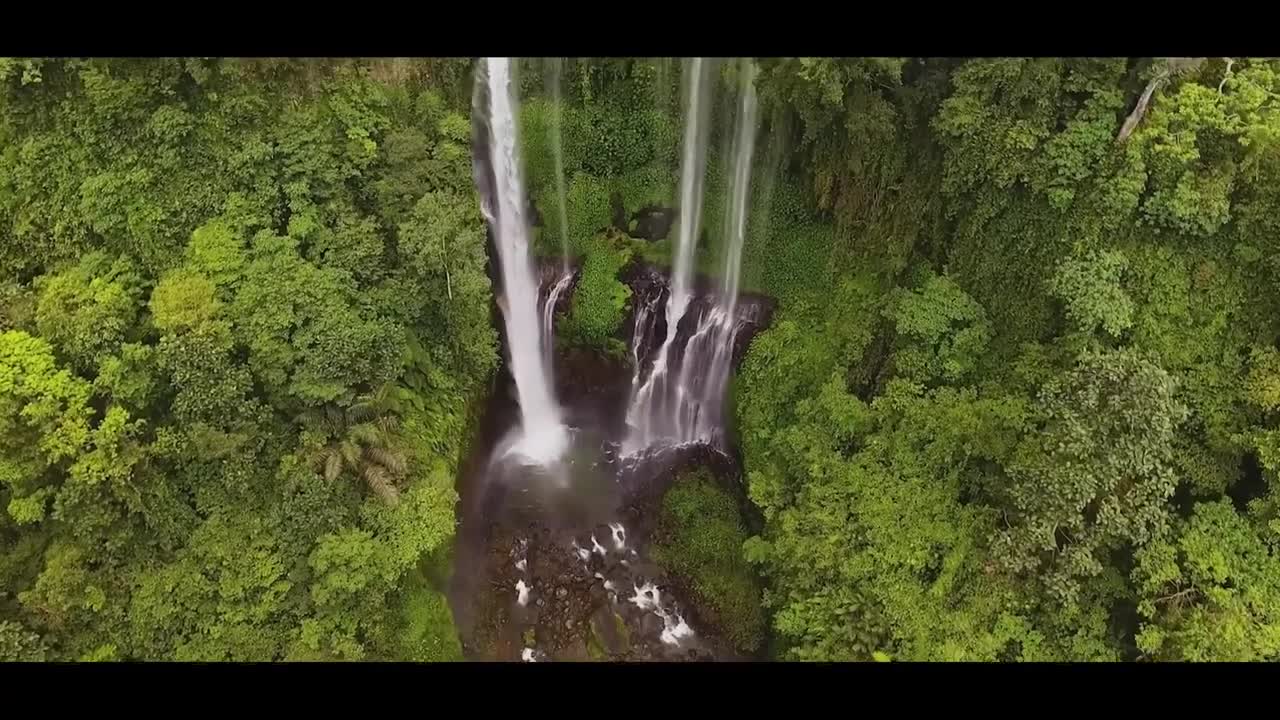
(681, 399)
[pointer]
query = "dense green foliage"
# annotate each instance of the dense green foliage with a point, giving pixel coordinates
(246, 321)
(600, 300)
(699, 538)
(1020, 399)
(1035, 420)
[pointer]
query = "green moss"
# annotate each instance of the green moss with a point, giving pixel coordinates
(595, 642)
(429, 634)
(624, 634)
(699, 539)
(600, 298)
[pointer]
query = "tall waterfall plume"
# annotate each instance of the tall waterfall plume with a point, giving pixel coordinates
(556, 132)
(682, 399)
(649, 415)
(542, 437)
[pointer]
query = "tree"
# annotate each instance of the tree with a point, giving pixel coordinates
(1091, 289)
(1210, 589)
(44, 422)
(359, 439)
(1095, 476)
(943, 332)
(17, 644)
(197, 350)
(87, 311)
(223, 598)
(309, 339)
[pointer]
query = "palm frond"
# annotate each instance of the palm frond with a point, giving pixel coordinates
(362, 410)
(394, 462)
(365, 434)
(350, 453)
(335, 419)
(388, 424)
(332, 466)
(378, 481)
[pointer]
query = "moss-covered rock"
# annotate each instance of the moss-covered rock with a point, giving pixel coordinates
(600, 299)
(699, 540)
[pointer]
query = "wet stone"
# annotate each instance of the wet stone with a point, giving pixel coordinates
(651, 624)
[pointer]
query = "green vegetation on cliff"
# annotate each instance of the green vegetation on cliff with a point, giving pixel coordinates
(699, 539)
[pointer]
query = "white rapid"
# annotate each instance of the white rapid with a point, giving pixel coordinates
(542, 435)
(646, 416)
(682, 399)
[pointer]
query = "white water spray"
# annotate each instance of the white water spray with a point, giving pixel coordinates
(543, 436)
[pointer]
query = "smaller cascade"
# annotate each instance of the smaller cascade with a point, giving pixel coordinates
(647, 414)
(548, 313)
(708, 355)
(648, 312)
(555, 130)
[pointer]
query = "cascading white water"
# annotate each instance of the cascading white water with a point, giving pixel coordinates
(645, 415)
(548, 326)
(555, 129)
(688, 408)
(542, 435)
(718, 329)
(692, 173)
(744, 149)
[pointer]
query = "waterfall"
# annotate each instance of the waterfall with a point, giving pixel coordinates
(542, 435)
(549, 315)
(744, 148)
(688, 408)
(692, 172)
(709, 354)
(556, 131)
(646, 413)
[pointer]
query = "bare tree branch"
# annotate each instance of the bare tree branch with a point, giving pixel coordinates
(1172, 66)
(1226, 74)
(1140, 110)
